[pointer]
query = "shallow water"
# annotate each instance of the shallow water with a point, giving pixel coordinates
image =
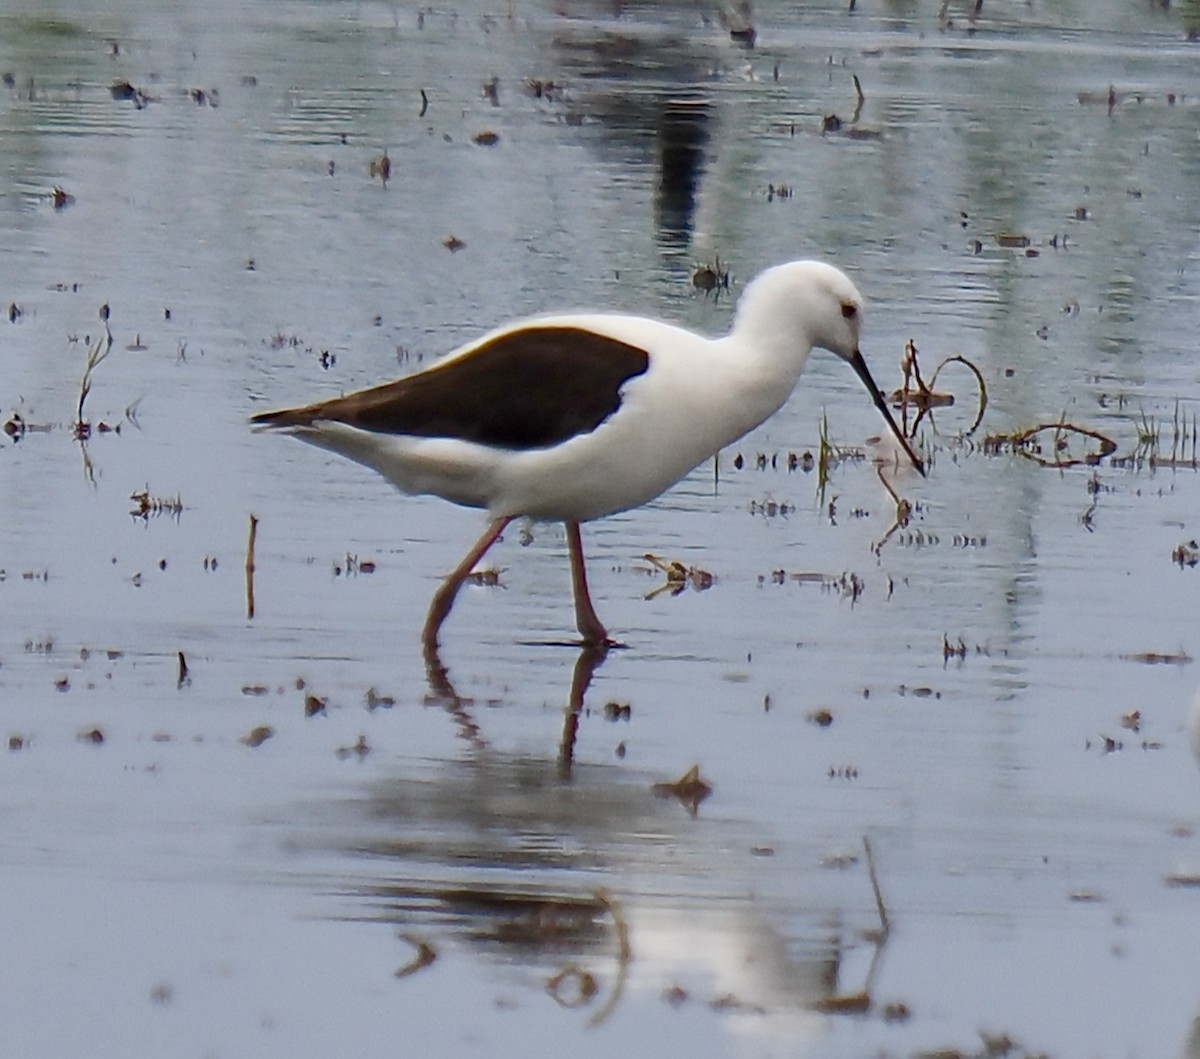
(172, 890)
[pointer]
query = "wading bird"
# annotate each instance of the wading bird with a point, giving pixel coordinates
(573, 417)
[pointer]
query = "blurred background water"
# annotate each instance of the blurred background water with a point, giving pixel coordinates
(1006, 677)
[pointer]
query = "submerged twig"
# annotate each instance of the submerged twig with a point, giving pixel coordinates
(903, 511)
(859, 1003)
(880, 907)
(924, 398)
(624, 956)
(147, 506)
(983, 395)
(1025, 443)
(826, 453)
(96, 355)
(1149, 449)
(250, 565)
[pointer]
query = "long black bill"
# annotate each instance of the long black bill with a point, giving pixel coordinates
(860, 368)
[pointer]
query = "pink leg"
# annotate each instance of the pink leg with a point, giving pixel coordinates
(443, 598)
(590, 628)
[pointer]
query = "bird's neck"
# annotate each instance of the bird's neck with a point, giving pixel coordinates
(766, 364)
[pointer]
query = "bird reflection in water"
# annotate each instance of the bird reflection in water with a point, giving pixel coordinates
(442, 690)
(611, 893)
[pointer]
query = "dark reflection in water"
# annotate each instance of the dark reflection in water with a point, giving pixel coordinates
(682, 137)
(442, 688)
(588, 876)
(671, 124)
(581, 873)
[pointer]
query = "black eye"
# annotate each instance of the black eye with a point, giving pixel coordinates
(849, 310)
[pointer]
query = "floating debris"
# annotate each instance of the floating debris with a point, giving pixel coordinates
(771, 508)
(422, 958)
(257, 736)
(1183, 879)
(488, 577)
(675, 995)
(831, 124)
(147, 506)
(731, 1002)
(314, 705)
(679, 576)
(846, 585)
(1048, 444)
(711, 278)
(548, 90)
(803, 461)
(1186, 554)
(453, 243)
(1013, 241)
(353, 566)
(124, 92)
(360, 749)
(573, 986)
(380, 167)
(690, 790)
(486, 138)
(844, 1004)
(1153, 658)
(617, 711)
(375, 701)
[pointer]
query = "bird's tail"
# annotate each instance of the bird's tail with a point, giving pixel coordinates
(284, 418)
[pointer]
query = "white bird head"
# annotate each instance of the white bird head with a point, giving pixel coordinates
(806, 299)
(817, 304)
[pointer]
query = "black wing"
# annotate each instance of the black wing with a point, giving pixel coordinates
(526, 389)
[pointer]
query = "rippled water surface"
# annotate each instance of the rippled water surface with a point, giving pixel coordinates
(986, 705)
